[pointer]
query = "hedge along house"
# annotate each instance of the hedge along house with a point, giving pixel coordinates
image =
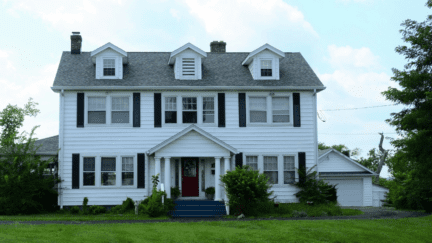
(189, 115)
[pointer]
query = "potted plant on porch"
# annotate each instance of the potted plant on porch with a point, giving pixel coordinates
(210, 192)
(175, 193)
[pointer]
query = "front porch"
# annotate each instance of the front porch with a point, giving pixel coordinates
(191, 160)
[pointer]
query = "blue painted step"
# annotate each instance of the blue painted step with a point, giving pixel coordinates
(198, 208)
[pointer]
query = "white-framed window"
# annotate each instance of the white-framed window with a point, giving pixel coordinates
(266, 68)
(208, 110)
(108, 67)
(96, 110)
(189, 113)
(271, 168)
(289, 169)
(89, 171)
(120, 110)
(127, 171)
(258, 109)
(280, 109)
(108, 171)
(170, 110)
(252, 161)
(188, 67)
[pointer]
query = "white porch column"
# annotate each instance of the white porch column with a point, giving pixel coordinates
(217, 179)
(157, 170)
(168, 176)
(226, 168)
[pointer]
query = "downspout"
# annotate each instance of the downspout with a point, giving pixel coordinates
(316, 131)
(61, 138)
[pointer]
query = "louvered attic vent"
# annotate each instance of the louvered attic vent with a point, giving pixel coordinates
(188, 67)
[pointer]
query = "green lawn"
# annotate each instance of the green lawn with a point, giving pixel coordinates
(381, 230)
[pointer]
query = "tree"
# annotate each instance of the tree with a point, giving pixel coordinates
(414, 124)
(23, 188)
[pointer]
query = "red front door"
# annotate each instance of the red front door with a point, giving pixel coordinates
(190, 177)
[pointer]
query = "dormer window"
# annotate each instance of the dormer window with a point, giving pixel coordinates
(266, 68)
(188, 67)
(108, 67)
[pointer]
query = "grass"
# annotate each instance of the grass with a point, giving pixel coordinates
(379, 230)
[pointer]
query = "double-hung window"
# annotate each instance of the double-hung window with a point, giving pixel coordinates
(108, 171)
(170, 110)
(258, 109)
(109, 67)
(127, 171)
(208, 110)
(266, 68)
(96, 110)
(252, 161)
(271, 168)
(120, 110)
(189, 109)
(89, 171)
(280, 109)
(289, 170)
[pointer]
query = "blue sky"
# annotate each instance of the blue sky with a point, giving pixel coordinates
(348, 43)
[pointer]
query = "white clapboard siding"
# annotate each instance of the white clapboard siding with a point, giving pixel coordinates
(335, 163)
(367, 191)
(130, 140)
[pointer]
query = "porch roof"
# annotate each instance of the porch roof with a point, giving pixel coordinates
(185, 131)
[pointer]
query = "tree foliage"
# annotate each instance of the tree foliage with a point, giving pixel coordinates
(341, 148)
(413, 159)
(23, 187)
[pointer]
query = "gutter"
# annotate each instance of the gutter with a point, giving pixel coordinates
(61, 144)
(57, 89)
(316, 132)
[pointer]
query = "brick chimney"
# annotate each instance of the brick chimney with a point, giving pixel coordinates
(218, 46)
(76, 41)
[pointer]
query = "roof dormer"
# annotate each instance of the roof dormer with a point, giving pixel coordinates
(263, 63)
(109, 60)
(187, 61)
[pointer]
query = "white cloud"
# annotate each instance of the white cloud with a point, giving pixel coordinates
(175, 13)
(348, 57)
(240, 20)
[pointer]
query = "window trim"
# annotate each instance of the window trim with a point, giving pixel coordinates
(272, 67)
(98, 162)
(179, 96)
(108, 109)
(269, 109)
(116, 70)
(296, 176)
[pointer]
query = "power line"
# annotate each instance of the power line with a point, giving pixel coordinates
(359, 108)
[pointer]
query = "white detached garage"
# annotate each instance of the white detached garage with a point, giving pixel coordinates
(353, 181)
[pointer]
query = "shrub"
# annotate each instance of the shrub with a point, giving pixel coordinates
(246, 190)
(95, 209)
(128, 205)
(75, 210)
(175, 192)
(210, 190)
(313, 190)
(117, 209)
(299, 214)
(153, 205)
(85, 208)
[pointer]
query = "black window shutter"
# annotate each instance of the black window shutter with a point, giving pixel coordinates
(80, 109)
(296, 109)
(239, 160)
(141, 171)
(302, 166)
(157, 110)
(221, 109)
(242, 109)
(75, 171)
(136, 109)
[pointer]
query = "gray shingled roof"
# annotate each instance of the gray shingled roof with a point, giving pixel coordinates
(49, 145)
(152, 69)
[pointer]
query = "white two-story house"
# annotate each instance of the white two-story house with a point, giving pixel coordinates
(190, 116)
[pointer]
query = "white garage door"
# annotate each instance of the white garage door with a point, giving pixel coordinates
(349, 192)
